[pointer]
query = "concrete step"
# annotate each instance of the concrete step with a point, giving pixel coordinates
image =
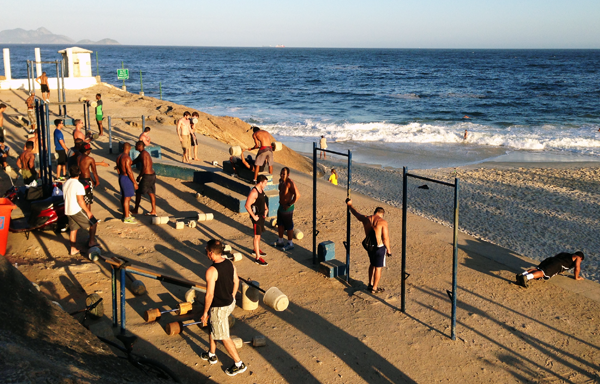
(236, 184)
(235, 200)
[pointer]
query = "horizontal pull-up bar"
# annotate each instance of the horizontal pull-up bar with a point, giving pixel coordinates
(328, 151)
(45, 62)
(432, 180)
(125, 117)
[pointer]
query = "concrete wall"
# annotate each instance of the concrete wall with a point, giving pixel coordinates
(70, 83)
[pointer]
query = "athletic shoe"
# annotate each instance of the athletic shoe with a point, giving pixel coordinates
(261, 253)
(234, 369)
(278, 244)
(288, 247)
(129, 220)
(211, 359)
(261, 261)
(522, 280)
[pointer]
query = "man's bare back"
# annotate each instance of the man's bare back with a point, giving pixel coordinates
(87, 166)
(124, 164)
(146, 160)
(261, 139)
(30, 101)
(287, 193)
(26, 160)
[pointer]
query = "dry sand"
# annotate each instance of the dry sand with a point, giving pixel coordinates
(333, 332)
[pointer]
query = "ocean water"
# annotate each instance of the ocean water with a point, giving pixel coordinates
(392, 107)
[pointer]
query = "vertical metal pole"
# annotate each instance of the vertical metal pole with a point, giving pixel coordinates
(28, 82)
(109, 136)
(89, 123)
(404, 211)
(62, 75)
(455, 259)
(48, 144)
(143, 123)
(160, 89)
(41, 138)
(123, 67)
(348, 217)
(84, 117)
(314, 247)
(113, 276)
(122, 270)
(58, 87)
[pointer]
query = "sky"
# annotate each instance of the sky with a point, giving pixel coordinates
(318, 23)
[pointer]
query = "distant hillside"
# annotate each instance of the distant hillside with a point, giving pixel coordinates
(43, 36)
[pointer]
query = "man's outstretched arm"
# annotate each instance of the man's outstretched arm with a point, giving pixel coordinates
(354, 211)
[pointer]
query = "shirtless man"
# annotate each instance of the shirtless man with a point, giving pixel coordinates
(288, 195)
(43, 82)
(87, 167)
(31, 112)
(145, 137)
(146, 178)
(183, 131)
(194, 140)
(78, 133)
(26, 164)
(2, 109)
(262, 141)
(126, 182)
(375, 226)
(74, 153)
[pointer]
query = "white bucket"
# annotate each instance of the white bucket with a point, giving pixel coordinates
(274, 223)
(236, 150)
(237, 256)
(158, 220)
(275, 299)
(239, 343)
(250, 296)
(205, 216)
(277, 146)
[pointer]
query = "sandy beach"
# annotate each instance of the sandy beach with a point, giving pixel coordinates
(333, 331)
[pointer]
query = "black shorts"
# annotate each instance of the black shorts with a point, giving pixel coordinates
(193, 140)
(147, 185)
(62, 157)
(551, 267)
(285, 218)
(88, 198)
(377, 258)
(45, 88)
(258, 226)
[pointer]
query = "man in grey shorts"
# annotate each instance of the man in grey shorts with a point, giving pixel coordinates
(221, 286)
(262, 141)
(77, 210)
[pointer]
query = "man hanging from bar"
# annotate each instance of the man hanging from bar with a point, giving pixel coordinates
(377, 244)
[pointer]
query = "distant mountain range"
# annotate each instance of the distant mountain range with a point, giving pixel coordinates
(44, 36)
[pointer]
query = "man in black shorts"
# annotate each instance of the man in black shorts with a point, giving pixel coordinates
(61, 147)
(256, 205)
(288, 196)
(552, 266)
(146, 180)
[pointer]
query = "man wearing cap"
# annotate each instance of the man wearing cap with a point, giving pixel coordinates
(87, 167)
(146, 180)
(553, 266)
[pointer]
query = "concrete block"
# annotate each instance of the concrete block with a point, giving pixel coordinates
(179, 225)
(327, 269)
(326, 251)
(341, 269)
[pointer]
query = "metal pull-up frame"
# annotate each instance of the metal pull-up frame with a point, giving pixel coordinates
(60, 80)
(348, 214)
(452, 295)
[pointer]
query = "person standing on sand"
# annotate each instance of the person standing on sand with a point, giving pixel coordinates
(2, 109)
(31, 112)
(194, 140)
(60, 147)
(183, 131)
(26, 163)
(74, 153)
(145, 137)
(333, 179)
(262, 141)
(146, 179)
(99, 114)
(78, 133)
(257, 208)
(75, 206)
(222, 284)
(323, 145)
(87, 167)
(127, 182)
(552, 266)
(376, 228)
(288, 196)
(43, 82)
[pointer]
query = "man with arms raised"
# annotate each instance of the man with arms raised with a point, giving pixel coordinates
(376, 228)
(256, 205)
(77, 210)
(183, 131)
(288, 195)
(146, 178)
(222, 283)
(26, 163)
(262, 141)
(126, 182)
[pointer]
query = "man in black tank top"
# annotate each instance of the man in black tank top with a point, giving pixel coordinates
(552, 266)
(221, 286)
(256, 205)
